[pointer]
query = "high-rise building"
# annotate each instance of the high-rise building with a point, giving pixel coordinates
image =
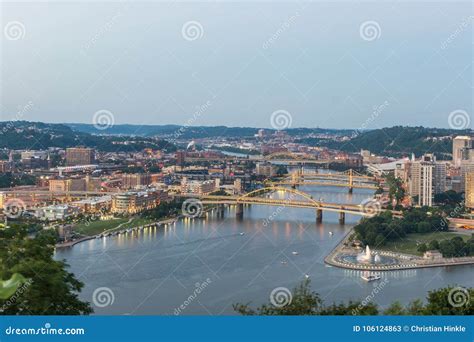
(180, 158)
(237, 186)
(469, 195)
(79, 156)
(135, 180)
(427, 178)
(466, 167)
(265, 169)
(460, 144)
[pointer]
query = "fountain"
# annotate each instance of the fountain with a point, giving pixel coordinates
(365, 257)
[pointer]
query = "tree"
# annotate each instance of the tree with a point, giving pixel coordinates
(51, 290)
(447, 249)
(423, 227)
(306, 302)
(444, 301)
(396, 190)
(303, 302)
(434, 244)
(352, 308)
(450, 301)
(449, 197)
(415, 308)
(422, 248)
(395, 309)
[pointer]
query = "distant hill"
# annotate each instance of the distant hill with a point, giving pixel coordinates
(194, 132)
(395, 141)
(38, 135)
(402, 141)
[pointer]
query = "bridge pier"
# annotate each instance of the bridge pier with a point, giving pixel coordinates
(220, 210)
(342, 217)
(239, 211)
(351, 189)
(319, 215)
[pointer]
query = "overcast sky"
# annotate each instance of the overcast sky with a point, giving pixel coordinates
(335, 65)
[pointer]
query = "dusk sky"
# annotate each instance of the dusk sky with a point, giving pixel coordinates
(235, 63)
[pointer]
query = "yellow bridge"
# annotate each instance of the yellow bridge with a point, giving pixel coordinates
(295, 199)
(349, 179)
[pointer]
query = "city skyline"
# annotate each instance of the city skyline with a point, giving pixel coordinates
(228, 158)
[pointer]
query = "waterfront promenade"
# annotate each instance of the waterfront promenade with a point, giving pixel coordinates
(404, 261)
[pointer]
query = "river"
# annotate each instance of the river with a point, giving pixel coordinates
(235, 260)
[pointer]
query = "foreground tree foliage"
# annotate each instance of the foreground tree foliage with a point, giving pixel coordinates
(444, 301)
(49, 289)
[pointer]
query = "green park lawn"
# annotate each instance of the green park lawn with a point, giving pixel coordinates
(97, 227)
(409, 244)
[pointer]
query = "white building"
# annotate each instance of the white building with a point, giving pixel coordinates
(427, 178)
(265, 169)
(198, 187)
(460, 144)
(57, 212)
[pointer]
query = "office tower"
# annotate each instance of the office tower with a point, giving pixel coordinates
(180, 158)
(427, 178)
(79, 156)
(460, 144)
(466, 168)
(135, 180)
(469, 195)
(237, 186)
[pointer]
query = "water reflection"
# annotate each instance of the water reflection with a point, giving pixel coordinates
(152, 271)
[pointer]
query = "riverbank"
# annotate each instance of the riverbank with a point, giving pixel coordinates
(118, 230)
(403, 261)
(131, 224)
